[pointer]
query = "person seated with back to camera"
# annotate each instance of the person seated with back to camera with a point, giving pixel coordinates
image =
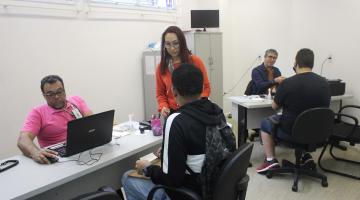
(266, 75)
(183, 139)
(294, 95)
(48, 122)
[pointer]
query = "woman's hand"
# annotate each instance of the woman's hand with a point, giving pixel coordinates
(165, 112)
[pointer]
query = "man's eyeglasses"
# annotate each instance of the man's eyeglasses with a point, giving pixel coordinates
(174, 44)
(53, 94)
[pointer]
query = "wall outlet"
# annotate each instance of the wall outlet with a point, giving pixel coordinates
(330, 58)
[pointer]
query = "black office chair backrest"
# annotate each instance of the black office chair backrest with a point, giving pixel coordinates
(103, 193)
(233, 171)
(313, 126)
(249, 88)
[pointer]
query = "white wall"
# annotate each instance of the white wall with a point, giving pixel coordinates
(99, 59)
(331, 27)
(326, 26)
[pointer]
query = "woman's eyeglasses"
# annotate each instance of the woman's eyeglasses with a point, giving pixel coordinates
(174, 44)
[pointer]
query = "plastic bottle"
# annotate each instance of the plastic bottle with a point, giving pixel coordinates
(268, 97)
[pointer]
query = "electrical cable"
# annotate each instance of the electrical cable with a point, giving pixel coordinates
(242, 76)
(323, 63)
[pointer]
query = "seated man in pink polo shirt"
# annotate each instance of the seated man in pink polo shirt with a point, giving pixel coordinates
(48, 122)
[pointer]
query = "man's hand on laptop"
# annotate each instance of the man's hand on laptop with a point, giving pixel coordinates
(41, 154)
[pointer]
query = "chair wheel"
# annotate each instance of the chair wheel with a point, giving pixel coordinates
(324, 183)
(269, 175)
(294, 188)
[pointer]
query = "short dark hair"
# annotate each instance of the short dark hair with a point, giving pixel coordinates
(305, 58)
(184, 51)
(50, 79)
(187, 80)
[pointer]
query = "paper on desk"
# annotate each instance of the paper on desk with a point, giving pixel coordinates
(149, 157)
(249, 99)
(117, 134)
(124, 129)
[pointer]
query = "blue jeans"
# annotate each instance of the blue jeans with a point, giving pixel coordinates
(138, 189)
(267, 127)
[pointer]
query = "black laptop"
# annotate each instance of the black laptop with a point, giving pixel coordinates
(86, 133)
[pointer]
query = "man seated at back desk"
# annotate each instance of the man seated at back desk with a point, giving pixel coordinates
(266, 75)
(294, 95)
(48, 122)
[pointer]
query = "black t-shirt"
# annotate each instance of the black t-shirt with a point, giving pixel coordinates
(299, 93)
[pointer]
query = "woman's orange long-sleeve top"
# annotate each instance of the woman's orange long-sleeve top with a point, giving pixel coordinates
(164, 95)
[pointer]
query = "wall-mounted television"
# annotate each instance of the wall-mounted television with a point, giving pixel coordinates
(204, 19)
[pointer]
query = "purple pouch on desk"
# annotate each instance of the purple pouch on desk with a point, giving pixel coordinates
(156, 127)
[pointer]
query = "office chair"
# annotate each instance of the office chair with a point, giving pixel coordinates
(249, 90)
(311, 130)
(344, 131)
(103, 193)
(231, 183)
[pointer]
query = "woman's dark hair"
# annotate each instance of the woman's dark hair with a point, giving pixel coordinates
(184, 51)
(187, 80)
(50, 79)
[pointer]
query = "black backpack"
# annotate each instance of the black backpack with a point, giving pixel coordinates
(220, 144)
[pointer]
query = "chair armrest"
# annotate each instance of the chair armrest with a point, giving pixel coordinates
(107, 189)
(243, 183)
(355, 125)
(184, 191)
(348, 106)
(242, 187)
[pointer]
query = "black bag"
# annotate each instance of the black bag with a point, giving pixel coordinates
(220, 144)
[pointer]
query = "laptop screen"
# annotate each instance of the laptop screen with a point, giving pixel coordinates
(89, 132)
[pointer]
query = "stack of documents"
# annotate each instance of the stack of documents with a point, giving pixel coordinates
(249, 99)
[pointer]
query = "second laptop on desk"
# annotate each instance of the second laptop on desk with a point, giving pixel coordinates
(86, 133)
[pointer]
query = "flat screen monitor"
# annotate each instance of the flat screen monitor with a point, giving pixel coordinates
(204, 19)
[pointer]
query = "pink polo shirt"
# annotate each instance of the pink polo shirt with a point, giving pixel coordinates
(49, 124)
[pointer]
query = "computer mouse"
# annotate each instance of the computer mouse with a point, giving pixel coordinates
(52, 159)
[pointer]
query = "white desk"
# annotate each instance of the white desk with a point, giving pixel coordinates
(66, 180)
(249, 113)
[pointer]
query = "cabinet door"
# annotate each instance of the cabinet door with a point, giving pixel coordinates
(215, 68)
(208, 46)
(150, 60)
(202, 49)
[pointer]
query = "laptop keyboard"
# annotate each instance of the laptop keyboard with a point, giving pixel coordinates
(61, 150)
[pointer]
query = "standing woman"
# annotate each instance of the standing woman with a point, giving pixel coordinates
(174, 52)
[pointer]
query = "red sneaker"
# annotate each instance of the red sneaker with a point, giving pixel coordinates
(267, 165)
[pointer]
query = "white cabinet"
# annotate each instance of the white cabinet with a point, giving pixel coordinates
(150, 59)
(208, 46)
